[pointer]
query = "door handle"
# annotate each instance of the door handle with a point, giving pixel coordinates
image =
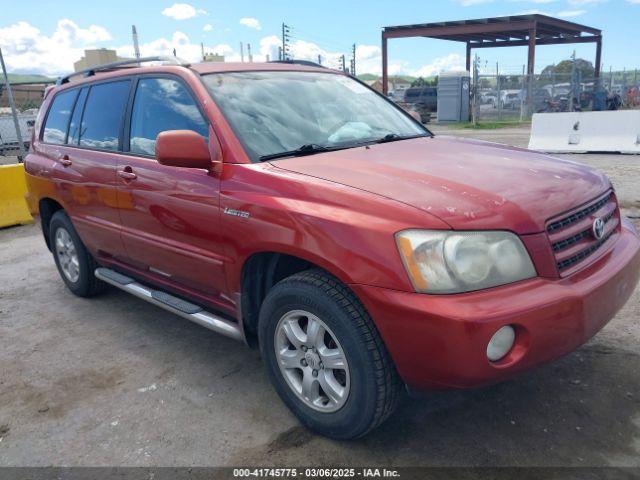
(127, 173)
(64, 160)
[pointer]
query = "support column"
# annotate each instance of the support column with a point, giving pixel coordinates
(531, 60)
(598, 56)
(468, 56)
(384, 64)
(531, 65)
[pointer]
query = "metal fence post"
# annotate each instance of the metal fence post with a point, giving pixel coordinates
(499, 98)
(522, 93)
(13, 108)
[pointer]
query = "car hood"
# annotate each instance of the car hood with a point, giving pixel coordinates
(469, 184)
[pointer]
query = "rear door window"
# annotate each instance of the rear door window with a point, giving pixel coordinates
(57, 123)
(74, 126)
(103, 115)
(162, 104)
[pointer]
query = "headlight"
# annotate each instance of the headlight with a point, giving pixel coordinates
(453, 262)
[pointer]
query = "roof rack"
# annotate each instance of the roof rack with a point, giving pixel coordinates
(133, 62)
(308, 63)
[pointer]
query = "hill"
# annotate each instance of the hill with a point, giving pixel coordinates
(28, 78)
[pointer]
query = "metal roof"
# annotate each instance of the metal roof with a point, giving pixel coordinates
(510, 30)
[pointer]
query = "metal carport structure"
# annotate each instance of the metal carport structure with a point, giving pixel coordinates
(512, 31)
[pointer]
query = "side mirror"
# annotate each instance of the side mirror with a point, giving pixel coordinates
(183, 148)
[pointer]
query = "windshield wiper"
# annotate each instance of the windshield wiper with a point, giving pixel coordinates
(306, 149)
(392, 137)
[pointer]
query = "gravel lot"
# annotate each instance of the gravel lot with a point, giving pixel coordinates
(115, 381)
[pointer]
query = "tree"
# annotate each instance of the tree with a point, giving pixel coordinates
(425, 82)
(584, 68)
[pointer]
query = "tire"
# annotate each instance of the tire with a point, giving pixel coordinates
(80, 278)
(372, 384)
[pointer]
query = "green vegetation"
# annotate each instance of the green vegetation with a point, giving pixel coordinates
(367, 77)
(29, 78)
(583, 67)
(488, 125)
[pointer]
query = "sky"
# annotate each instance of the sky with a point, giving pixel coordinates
(37, 37)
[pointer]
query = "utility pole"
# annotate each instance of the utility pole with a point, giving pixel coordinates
(476, 90)
(610, 78)
(573, 81)
(280, 53)
(202, 50)
(285, 41)
(12, 105)
(136, 47)
(241, 52)
(353, 60)
(319, 59)
(529, 99)
(342, 60)
(249, 53)
(175, 54)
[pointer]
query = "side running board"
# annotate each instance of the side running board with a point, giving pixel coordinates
(171, 303)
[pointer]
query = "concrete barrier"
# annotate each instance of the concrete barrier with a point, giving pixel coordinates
(13, 206)
(582, 132)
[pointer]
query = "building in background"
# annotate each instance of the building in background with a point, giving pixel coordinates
(96, 57)
(212, 57)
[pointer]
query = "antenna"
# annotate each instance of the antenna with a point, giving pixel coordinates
(136, 48)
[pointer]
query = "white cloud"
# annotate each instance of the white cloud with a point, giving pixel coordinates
(368, 58)
(470, 3)
(571, 13)
(207, 28)
(533, 11)
(450, 62)
(585, 2)
(185, 48)
(26, 49)
(182, 11)
(251, 23)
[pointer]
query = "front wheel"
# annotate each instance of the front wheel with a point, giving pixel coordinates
(325, 357)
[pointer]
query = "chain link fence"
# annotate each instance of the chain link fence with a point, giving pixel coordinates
(27, 99)
(514, 98)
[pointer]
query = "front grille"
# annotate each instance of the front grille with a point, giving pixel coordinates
(571, 235)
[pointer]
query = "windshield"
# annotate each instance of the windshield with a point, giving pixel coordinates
(277, 112)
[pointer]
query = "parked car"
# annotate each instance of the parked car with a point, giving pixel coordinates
(510, 99)
(397, 95)
(489, 98)
(423, 99)
(293, 208)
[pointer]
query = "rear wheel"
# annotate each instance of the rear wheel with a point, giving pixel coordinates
(325, 357)
(75, 264)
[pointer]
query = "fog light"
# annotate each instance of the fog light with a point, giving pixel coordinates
(501, 343)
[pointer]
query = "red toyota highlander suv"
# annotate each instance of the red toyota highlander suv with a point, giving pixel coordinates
(295, 209)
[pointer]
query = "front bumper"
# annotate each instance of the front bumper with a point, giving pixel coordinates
(440, 341)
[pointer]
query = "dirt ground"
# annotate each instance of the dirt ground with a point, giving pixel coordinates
(115, 381)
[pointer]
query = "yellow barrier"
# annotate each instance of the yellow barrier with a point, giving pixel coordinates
(13, 206)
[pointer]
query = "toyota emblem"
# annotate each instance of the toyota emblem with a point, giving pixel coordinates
(598, 228)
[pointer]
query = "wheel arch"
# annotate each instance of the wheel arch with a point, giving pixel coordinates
(261, 271)
(47, 207)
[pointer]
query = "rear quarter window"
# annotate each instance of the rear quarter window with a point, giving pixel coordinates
(57, 123)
